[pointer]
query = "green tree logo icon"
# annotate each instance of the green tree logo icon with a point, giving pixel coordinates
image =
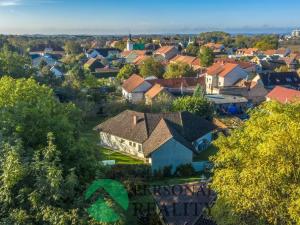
(101, 210)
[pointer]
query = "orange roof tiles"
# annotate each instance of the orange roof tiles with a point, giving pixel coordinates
(221, 69)
(284, 95)
(164, 49)
(132, 82)
(154, 91)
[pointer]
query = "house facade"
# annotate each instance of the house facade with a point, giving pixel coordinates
(134, 88)
(165, 53)
(161, 139)
(221, 75)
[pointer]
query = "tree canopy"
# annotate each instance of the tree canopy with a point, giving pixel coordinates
(176, 70)
(257, 173)
(126, 72)
(206, 56)
(150, 67)
(196, 105)
(44, 164)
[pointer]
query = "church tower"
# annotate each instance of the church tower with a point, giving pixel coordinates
(129, 44)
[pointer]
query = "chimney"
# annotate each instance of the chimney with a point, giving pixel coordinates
(135, 120)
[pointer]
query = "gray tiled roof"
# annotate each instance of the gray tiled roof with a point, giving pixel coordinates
(154, 129)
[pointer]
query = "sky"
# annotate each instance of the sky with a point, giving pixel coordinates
(147, 16)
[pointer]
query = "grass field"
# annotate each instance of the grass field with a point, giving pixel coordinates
(119, 157)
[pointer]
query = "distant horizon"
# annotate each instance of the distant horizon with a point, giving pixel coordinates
(236, 31)
(98, 17)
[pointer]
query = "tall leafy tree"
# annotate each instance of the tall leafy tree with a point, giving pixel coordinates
(150, 67)
(176, 70)
(196, 105)
(206, 56)
(257, 173)
(126, 72)
(45, 164)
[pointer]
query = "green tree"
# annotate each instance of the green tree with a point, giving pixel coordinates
(256, 173)
(206, 56)
(126, 72)
(176, 70)
(45, 165)
(14, 64)
(150, 67)
(192, 49)
(267, 42)
(199, 92)
(196, 105)
(72, 47)
(120, 45)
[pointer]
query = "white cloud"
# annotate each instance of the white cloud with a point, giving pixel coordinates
(9, 2)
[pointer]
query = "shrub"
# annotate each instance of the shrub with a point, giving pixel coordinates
(185, 170)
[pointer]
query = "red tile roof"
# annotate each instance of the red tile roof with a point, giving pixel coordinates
(184, 82)
(140, 59)
(284, 95)
(190, 60)
(221, 69)
(243, 65)
(132, 82)
(164, 50)
(154, 91)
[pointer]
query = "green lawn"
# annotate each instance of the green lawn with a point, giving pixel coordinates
(204, 155)
(119, 157)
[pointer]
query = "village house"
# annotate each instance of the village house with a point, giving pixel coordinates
(162, 139)
(281, 52)
(165, 53)
(253, 90)
(247, 52)
(106, 53)
(180, 86)
(221, 75)
(283, 95)
(216, 47)
(134, 88)
(228, 104)
(249, 67)
(132, 56)
(93, 64)
(285, 79)
(156, 92)
(193, 62)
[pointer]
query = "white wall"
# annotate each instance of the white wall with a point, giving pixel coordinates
(121, 144)
(171, 153)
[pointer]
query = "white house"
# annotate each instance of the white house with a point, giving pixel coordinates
(162, 139)
(223, 75)
(134, 88)
(165, 53)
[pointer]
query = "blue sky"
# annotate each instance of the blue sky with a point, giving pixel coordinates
(150, 16)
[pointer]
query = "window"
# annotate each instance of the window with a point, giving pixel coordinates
(130, 143)
(140, 148)
(122, 141)
(134, 144)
